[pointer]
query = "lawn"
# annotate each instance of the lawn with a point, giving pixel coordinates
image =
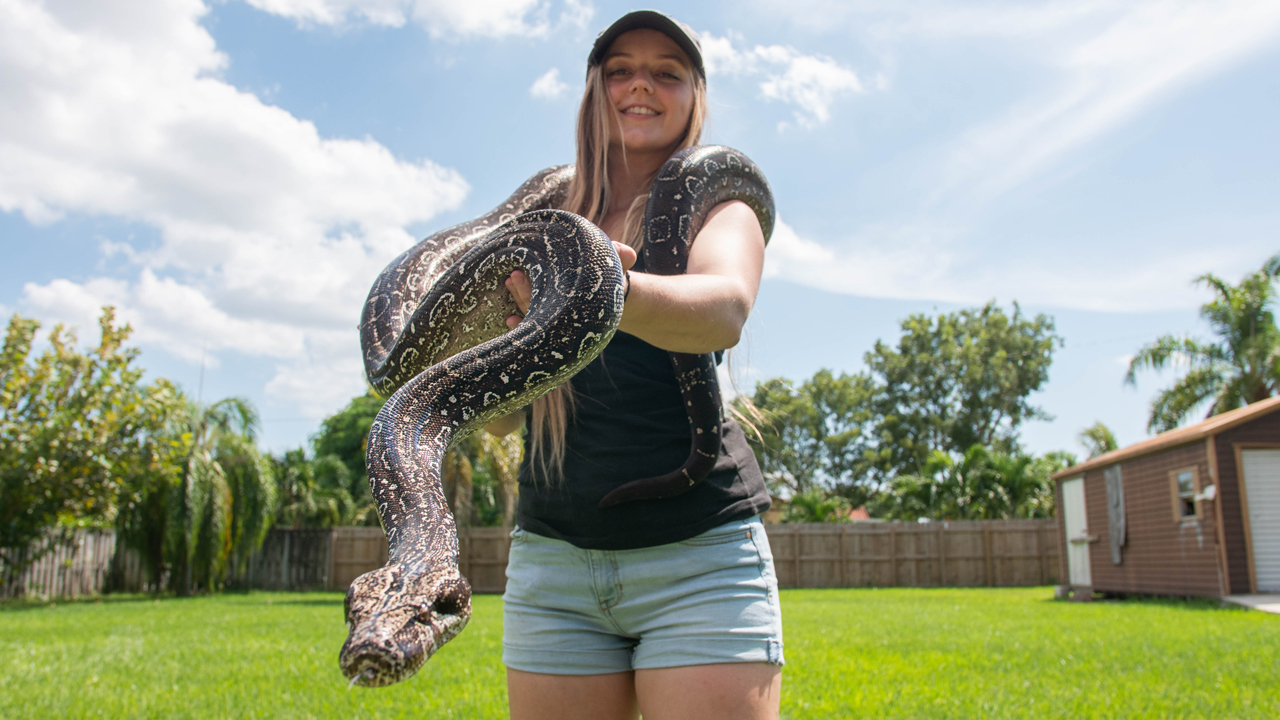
(891, 653)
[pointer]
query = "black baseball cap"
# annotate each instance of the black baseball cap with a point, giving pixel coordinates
(682, 34)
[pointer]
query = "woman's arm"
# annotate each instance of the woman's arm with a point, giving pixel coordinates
(703, 310)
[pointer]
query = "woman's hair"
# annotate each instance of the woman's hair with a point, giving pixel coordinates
(589, 196)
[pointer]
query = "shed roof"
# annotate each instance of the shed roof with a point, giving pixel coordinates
(1176, 437)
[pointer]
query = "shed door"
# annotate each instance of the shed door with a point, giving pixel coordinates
(1262, 493)
(1077, 532)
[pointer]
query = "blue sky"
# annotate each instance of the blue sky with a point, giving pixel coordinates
(232, 175)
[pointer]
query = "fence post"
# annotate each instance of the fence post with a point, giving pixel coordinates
(840, 555)
(942, 554)
(329, 572)
(893, 553)
(986, 551)
(284, 565)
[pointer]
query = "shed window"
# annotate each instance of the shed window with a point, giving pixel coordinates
(1184, 484)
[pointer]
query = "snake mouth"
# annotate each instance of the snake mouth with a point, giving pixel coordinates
(372, 659)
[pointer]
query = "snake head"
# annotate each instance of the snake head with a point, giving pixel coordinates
(398, 619)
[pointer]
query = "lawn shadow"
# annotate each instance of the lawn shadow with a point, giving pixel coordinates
(1143, 600)
(22, 604)
(306, 601)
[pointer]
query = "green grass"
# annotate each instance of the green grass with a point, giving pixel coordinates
(892, 653)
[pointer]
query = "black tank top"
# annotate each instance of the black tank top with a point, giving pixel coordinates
(630, 424)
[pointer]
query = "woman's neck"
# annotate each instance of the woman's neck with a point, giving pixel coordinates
(629, 179)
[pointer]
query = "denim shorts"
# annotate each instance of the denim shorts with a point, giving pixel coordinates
(709, 599)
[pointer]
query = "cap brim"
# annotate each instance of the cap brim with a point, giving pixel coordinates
(648, 20)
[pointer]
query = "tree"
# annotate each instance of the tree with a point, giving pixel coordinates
(208, 504)
(1242, 367)
(1098, 439)
(495, 472)
(807, 436)
(345, 434)
(76, 428)
(313, 492)
(960, 380)
(980, 485)
(816, 506)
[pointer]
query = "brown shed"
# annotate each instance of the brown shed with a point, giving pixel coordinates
(1193, 511)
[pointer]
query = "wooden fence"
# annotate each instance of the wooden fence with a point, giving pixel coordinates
(994, 553)
(991, 553)
(65, 567)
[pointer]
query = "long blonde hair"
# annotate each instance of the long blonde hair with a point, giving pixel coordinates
(590, 197)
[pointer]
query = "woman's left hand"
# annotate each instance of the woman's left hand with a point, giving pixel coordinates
(522, 290)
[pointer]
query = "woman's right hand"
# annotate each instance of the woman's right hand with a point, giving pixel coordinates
(522, 290)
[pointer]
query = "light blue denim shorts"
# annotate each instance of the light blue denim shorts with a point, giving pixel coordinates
(709, 599)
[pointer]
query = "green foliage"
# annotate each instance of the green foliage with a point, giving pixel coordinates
(816, 506)
(316, 492)
(982, 484)
(1098, 439)
(954, 381)
(332, 488)
(77, 429)
(1242, 367)
(345, 434)
(495, 469)
(211, 504)
(808, 435)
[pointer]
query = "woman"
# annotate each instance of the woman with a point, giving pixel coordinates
(667, 608)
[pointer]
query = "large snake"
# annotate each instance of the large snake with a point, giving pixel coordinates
(434, 333)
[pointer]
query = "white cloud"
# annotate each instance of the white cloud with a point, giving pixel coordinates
(1097, 65)
(932, 263)
(548, 86)
(1102, 62)
(270, 233)
(812, 83)
(441, 18)
(1127, 58)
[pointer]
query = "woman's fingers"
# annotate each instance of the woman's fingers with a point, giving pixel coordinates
(521, 290)
(626, 254)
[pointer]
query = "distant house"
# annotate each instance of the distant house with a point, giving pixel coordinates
(1193, 511)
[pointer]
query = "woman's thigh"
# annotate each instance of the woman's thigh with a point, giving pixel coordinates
(539, 696)
(728, 691)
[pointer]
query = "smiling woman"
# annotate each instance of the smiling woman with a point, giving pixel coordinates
(662, 607)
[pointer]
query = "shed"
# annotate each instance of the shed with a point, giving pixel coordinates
(1193, 511)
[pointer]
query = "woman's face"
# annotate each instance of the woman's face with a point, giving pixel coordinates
(650, 83)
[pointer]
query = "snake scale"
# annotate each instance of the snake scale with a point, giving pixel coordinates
(434, 336)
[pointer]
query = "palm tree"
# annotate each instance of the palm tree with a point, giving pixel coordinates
(210, 497)
(205, 523)
(1098, 439)
(817, 506)
(982, 484)
(1242, 367)
(314, 492)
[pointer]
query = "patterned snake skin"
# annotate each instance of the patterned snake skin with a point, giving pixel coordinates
(434, 333)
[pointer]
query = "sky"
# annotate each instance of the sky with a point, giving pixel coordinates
(232, 175)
